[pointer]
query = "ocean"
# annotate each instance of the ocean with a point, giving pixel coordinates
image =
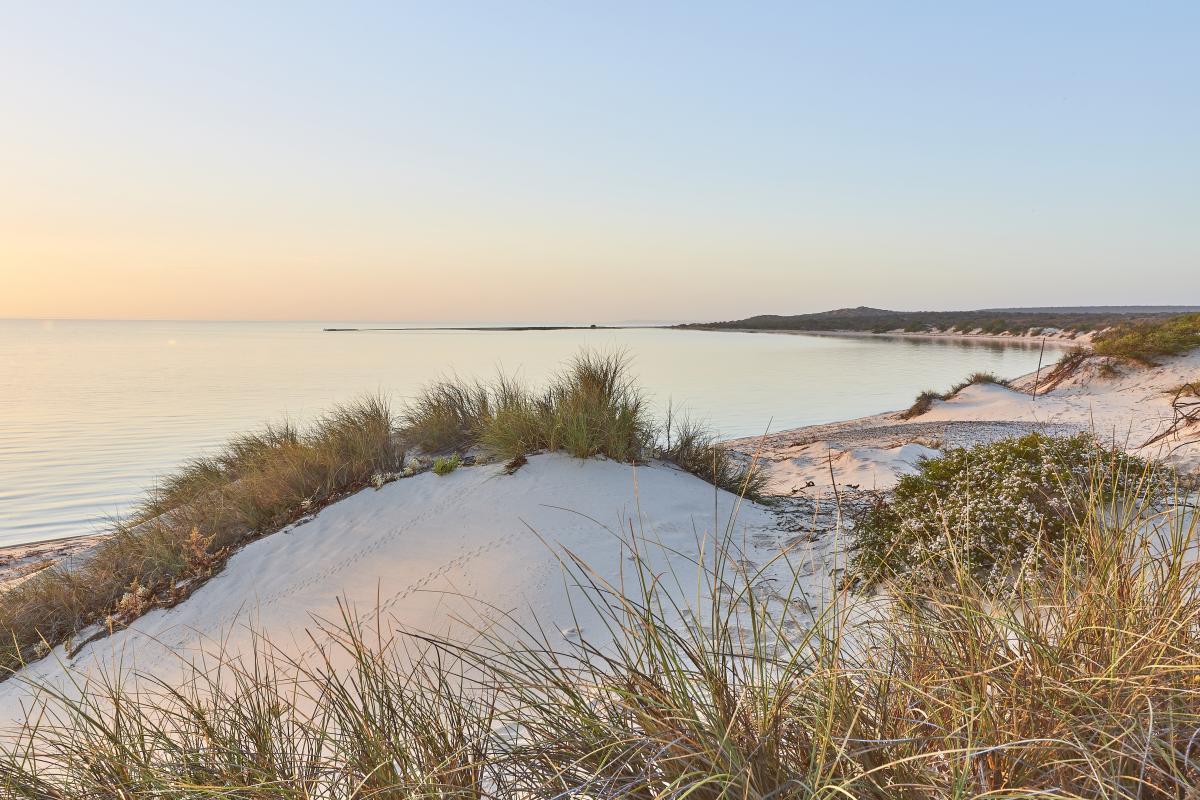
(91, 413)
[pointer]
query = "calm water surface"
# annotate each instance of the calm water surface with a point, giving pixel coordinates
(92, 412)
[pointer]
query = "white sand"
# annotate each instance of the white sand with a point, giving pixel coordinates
(1128, 408)
(430, 550)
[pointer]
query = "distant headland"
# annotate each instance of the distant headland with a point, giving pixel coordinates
(1067, 321)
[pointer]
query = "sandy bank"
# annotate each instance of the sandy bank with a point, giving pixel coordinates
(20, 561)
(444, 555)
(1056, 339)
(1124, 404)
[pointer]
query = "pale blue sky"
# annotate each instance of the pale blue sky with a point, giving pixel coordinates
(555, 161)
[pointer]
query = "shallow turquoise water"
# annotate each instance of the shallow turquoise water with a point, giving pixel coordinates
(92, 412)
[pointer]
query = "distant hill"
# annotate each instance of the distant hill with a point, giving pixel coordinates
(1078, 319)
(1152, 310)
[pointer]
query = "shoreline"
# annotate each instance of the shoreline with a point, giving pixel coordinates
(874, 450)
(1060, 338)
(1126, 406)
(1063, 340)
(21, 561)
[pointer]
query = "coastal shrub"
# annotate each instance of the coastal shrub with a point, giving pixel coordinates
(881, 320)
(1148, 341)
(446, 464)
(1081, 684)
(255, 484)
(988, 507)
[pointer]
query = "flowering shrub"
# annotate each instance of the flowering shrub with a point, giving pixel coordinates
(992, 508)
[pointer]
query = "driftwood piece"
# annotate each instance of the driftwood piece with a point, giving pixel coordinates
(1185, 408)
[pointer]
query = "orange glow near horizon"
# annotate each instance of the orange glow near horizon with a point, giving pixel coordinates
(408, 163)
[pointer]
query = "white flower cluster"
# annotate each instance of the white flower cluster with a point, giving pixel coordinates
(990, 507)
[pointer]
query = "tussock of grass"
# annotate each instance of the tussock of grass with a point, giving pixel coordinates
(446, 464)
(446, 415)
(1081, 684)
(590, 408)
(1148, 341)
(692, 447)
(975, 378)
(921, 405)
(925, 399)
(255, 484)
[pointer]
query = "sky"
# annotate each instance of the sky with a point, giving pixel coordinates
(598, 162)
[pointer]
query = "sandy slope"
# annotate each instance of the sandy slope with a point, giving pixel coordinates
(1127, 404)
(431, 550)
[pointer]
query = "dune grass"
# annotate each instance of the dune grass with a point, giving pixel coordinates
(590, 408)
(255, 484)
(694, 448)
(446, 415)
(924, 401)
(259, 482)
(1082, 684)
(1148, 341)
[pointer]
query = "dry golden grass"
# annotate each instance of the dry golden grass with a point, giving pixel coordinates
(257, 483)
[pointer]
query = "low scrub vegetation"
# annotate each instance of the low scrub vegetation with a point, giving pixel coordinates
(986, 508)
(1149, 341)
(925, 399)
(1018, 322)
(1082, 684)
